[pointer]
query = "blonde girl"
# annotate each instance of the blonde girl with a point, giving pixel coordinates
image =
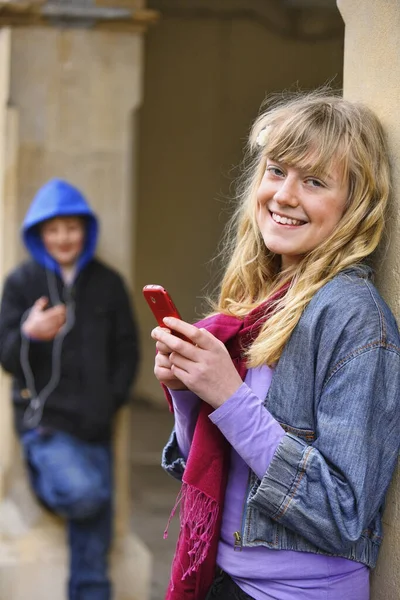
(286, 403)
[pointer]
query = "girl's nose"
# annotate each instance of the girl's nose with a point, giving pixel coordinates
(287, 193)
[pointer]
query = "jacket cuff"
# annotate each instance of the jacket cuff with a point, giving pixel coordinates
(172, 460)
(278, 486)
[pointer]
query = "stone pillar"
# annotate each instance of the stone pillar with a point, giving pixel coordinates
(5, 443)
(372, 75)
(67, 98)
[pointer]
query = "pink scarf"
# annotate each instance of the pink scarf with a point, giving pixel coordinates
(204, 481)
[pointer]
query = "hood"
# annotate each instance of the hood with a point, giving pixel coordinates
(58, 198)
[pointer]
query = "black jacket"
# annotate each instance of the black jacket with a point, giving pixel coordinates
(99, 355)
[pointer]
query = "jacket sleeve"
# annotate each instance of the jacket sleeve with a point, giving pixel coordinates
(125, 345)
(13, 308)
(330, 490)
(172, 461)
(186, 408)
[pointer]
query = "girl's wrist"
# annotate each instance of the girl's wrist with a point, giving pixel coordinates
(228, 393)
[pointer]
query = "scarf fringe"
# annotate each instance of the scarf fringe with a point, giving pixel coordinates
(198, 519)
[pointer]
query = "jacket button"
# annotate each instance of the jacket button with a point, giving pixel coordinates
(25, 394)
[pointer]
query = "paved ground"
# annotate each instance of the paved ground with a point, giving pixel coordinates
(153, 492)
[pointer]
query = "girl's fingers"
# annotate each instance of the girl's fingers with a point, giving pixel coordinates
(181, 362)
(162, 348)
(164, 375)
(202, 365)
(163, 361)
(195, 335)
(199, 337)
(180, 374)
(175, 344)
(156, 329)
(161, 336)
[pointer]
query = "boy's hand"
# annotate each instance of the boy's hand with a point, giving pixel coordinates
(43, 324)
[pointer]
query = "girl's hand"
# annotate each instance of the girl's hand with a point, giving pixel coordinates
(162, 368)
(203, 366)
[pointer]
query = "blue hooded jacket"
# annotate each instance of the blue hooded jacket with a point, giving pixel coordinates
(58, 198)
(82, 376)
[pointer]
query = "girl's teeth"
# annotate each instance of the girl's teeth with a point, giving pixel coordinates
(285, 220)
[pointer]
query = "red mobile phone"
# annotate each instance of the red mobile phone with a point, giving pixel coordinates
(161, 305)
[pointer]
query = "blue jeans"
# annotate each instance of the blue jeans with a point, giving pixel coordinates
(74, 480)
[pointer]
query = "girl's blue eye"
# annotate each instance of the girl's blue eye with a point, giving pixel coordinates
(316, 183)
(275, 170)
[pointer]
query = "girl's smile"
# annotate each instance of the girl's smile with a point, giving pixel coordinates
(297, 211)
(286, 221)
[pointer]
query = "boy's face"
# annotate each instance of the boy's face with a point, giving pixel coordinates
(64, 238)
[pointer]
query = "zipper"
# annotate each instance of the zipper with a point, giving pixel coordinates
(237, 545)
(238, 535)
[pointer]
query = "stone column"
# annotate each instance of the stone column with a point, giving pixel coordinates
(67, 98)
(5, 444)
(372, 75)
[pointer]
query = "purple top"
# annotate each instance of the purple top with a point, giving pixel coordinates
(263, 573)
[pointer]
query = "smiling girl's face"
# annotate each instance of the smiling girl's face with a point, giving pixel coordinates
(296, 210)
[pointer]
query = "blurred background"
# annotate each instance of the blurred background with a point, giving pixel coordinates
(208, 65)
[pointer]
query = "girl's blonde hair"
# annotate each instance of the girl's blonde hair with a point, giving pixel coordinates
(311, 132)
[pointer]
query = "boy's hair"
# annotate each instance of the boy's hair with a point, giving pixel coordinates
(81, 218)
(307, 131)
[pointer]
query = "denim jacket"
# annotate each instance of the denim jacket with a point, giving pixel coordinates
(336, 392)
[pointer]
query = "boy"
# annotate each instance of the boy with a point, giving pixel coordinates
(68, 337)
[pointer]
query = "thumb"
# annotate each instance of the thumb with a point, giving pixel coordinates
(41, 303)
